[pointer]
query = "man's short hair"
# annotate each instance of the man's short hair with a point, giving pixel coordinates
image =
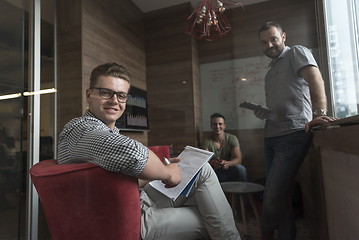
(217, 115)
(270, 24)
(109, 69)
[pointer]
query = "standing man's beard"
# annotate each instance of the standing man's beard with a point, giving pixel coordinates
(273, 52)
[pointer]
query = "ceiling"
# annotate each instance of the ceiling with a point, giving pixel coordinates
(151, 5)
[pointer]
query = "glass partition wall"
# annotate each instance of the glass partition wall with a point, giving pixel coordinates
(27, 111)
(12, 137)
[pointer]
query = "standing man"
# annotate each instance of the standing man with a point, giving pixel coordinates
(294, 91)
(205, 213)
(228, 156)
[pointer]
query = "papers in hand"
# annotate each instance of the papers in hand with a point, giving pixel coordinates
(192, 160)
(253, 106)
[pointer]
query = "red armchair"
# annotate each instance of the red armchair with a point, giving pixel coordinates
(163, 151)
(84, 201)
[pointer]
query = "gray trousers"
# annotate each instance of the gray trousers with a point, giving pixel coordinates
(204, 214)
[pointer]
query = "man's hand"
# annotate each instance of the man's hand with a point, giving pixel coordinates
(155, 170)
(225, 164)
(219, 163)
(318, 121)
(215, 163)
(261, 114)
(175, 175)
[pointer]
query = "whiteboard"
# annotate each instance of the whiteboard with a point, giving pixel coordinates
(225, 84)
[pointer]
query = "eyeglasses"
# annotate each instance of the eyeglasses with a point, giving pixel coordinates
(108, 94)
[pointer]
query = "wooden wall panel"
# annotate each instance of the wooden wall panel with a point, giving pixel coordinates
(171, 106)
(69, 94)
(172, 79)
(109, 36)
(113, 31)
(197, 100)
(92, 33)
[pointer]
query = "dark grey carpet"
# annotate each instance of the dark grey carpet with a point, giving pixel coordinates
(254, 231)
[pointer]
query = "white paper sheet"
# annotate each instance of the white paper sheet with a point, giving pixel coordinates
(192, 160)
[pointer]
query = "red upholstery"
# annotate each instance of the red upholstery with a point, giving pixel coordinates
(84, 201)
(162, 152)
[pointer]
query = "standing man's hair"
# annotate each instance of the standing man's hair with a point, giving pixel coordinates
(270, 24)
(217, 115)
(109, 69)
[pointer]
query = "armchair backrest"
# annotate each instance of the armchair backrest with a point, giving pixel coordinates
(163, 151)
(84, 201)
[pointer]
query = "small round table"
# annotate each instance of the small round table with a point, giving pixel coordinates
(240, 188)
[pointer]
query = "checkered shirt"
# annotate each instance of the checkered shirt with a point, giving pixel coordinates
(88, 139)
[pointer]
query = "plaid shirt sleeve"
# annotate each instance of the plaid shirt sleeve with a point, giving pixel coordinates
(87, 139)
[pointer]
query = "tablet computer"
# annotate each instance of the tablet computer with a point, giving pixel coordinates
(253, 106)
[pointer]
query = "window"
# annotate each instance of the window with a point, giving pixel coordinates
(342, 32)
